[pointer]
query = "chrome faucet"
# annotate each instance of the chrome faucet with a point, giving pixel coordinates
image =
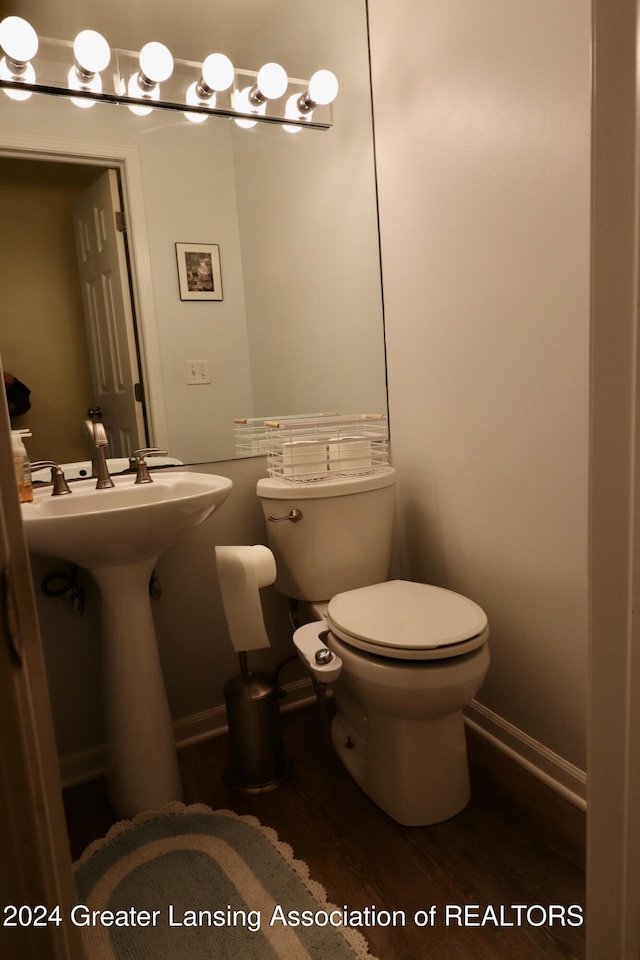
(96, 434)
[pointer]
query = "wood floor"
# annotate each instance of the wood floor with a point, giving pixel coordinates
(517, 842)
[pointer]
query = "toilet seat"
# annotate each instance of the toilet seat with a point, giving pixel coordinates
(402, 620)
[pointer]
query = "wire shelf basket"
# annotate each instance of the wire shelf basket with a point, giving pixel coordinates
(326, 447)
(253, 438)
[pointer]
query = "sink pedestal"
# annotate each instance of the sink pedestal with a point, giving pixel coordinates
(141, 762)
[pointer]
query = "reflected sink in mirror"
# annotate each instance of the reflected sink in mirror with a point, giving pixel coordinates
(124, 524)
(118, 534)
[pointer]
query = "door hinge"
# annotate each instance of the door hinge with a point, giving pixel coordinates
(121, 225)
(138, 392)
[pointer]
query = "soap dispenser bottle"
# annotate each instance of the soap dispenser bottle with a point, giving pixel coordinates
(22, 465)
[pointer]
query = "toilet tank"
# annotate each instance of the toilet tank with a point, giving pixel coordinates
(342, 540)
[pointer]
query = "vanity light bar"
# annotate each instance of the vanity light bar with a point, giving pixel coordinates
(153, 79)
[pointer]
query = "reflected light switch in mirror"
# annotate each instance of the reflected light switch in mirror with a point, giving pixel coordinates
(198, 371)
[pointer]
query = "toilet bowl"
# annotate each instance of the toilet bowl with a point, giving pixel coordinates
(403, 658)
(411, 657)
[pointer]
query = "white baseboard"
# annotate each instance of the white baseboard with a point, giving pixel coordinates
(561, 776)
(567, 780)
(213, 723)
(88, 764)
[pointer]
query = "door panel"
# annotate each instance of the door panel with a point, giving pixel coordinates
(104, 279)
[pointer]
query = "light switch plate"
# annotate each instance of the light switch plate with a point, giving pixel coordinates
(198, 371)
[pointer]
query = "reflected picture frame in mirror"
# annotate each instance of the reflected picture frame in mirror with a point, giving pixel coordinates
(199, 271)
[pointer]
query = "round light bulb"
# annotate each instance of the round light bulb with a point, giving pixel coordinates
(323, 87)
(133, 90)
(92, 82)
(156, 62)
(291, 112)
(18, 39)
(218, 71)
(194, 100)
(91, 51)
(28, 75)
(272, 81)
(240, 101)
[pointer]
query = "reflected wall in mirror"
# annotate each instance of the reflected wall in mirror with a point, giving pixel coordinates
(293, 214)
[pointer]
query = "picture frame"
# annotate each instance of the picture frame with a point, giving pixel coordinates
(199, 273)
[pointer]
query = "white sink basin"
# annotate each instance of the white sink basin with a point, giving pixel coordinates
(126, 523)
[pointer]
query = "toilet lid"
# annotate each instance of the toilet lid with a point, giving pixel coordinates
(408, 621)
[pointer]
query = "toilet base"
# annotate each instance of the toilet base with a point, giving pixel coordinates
(414, 770)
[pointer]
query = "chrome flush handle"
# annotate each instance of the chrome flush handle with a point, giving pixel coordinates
(293, 515)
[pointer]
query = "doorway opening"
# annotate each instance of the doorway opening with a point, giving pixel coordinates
(73, 341)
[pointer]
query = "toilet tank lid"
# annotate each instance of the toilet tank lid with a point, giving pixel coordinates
(276, 488)
(402, 615)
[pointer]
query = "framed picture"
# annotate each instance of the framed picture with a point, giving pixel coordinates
(199, 271)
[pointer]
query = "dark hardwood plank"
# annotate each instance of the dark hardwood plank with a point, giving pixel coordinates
(517, 842)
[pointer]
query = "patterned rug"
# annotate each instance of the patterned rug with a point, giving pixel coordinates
(190, 883)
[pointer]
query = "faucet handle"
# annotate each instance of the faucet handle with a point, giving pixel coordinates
(58, 479)
(139, 458)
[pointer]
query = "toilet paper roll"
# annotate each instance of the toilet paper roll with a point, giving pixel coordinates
(304, 459)
(241, 573)
(350, 455)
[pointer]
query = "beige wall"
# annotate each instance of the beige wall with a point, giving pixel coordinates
(482, 132)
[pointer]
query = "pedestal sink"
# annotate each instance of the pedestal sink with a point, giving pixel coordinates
(118, 534)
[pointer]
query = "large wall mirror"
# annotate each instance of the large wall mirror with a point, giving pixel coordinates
(292, 216)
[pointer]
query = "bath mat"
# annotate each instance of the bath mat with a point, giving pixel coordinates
(191, 883)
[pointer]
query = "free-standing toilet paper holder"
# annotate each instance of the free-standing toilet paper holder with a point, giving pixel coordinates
(257, 763)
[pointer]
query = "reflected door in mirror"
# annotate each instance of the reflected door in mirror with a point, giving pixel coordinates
(104, 279)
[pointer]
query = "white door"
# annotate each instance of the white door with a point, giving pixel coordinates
(106, 299)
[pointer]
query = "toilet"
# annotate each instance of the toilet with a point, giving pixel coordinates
(403, 658)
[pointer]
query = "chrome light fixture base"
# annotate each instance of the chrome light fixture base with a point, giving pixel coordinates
(56, 57)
